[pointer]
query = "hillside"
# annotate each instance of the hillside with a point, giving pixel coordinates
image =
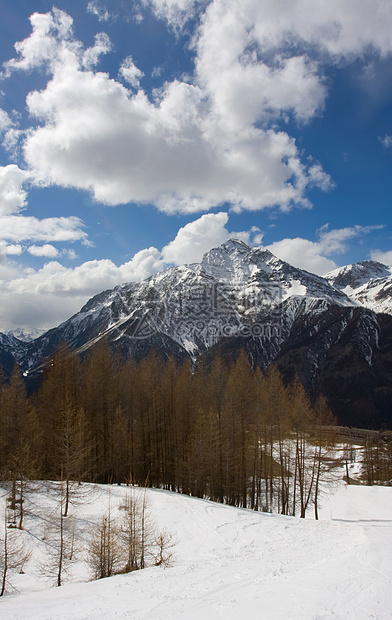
(233, 563)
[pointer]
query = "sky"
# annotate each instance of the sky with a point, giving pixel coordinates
(139, 134)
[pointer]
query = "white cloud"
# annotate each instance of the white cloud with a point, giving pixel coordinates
(382, 257)
(28, 310)
(335, 241)
(5, 121)
(201, 163)
(100, 11)
(261, 58)
(101, 46)
(313, 255)
(302, 253)
(130, 72)
(42, 46)
(17, 228)
(386, 141)
(196, 238)
(6, 250)
(195, 147)
(175, 12)
(12, 195)
(70, 254)
(126, 149)
(46, 250)
(15, 250)
(11, 140)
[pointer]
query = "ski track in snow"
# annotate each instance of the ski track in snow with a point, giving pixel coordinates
(233, 563)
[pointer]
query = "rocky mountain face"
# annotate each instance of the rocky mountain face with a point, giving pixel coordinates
(367, 283)
(8, 354)
(343, 353)
(243, 297)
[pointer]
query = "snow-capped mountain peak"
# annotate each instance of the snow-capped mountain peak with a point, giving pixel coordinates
(234, 261)
(358, 274)
(368, 283)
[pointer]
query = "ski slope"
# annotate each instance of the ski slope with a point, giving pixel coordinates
(234, 563)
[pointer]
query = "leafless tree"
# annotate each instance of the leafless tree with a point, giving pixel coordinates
(14, 553)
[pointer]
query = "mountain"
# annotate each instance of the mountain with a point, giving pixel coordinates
(7, 354)
(25, 335)
(186, 310)
(343, 353)
(367, 283)
(242, 297)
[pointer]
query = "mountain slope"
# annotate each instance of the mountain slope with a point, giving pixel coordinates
(367, 283)
(229, 563)
(187, 310)
(7, 355)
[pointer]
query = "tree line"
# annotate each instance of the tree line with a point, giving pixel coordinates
(220, 431)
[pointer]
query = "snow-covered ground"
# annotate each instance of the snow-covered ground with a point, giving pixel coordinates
(234, 563)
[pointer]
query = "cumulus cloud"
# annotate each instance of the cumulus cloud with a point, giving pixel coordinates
(70, 254)
(42, 46)
(102, 45)
(130, 72)
(382, 257)
(196, 238)
(175, 12)
(211, 140)
(195, 146)
(126, 149)
(46, 250)
(13, 250)
(313, 255)
(303, 253)
(16, 228)
(12, 195)
(5, 121)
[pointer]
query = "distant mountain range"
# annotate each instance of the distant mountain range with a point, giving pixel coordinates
(333, 332)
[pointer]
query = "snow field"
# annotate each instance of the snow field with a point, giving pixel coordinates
(230, 563)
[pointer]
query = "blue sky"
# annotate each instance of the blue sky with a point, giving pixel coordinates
(135, 135)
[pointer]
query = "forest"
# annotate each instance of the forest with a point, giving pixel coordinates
(222, 432)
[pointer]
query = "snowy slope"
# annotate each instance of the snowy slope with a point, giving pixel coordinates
(367, 283)
(233, 563)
